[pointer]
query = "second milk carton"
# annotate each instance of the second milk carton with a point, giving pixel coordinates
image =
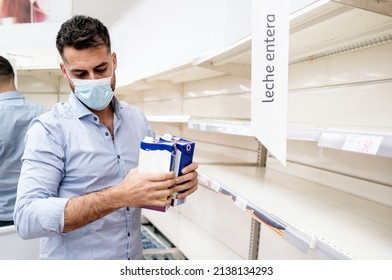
(184, 150)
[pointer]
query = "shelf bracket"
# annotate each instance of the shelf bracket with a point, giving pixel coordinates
(254, 240)
(261, 155)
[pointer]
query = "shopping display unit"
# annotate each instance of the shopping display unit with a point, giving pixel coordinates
(333, 198)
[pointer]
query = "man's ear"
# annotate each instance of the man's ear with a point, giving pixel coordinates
(63, 71)
(114, 56)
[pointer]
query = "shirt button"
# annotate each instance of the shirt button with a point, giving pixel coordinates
(118, 156)
(95, 118)
(129, 234)
(107, 133)
(127, 208)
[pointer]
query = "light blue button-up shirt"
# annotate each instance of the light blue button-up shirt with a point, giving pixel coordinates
(16, 113)
(69, 153)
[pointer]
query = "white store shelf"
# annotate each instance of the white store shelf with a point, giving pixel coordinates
(54, 69)
(374, 144)
(15, 248)
(169, 118)
(222, 126)
(331, 27)
(187, 235)
(308, 215)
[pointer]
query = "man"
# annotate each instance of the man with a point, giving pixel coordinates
(16, 114)
(79, 189)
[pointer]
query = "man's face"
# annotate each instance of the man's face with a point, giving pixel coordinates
(90, 63)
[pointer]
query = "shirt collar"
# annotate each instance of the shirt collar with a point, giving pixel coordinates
(11, 95)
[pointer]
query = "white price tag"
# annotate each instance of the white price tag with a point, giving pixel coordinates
(241, 203)
(367, 144)
(215, 186)
(203, 179)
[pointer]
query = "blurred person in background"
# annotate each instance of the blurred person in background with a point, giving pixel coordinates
(16, 113)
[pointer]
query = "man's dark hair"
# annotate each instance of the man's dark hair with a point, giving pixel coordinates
(6, 70)
(82, 32)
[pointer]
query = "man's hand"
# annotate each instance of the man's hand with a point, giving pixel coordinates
(188, 182)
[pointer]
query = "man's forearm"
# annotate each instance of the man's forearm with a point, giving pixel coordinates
(82, 210)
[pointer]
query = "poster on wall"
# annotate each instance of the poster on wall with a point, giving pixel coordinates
(34, 11)
(270, 49)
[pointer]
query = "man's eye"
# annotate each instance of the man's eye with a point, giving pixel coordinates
(100, 70)
(81, 76)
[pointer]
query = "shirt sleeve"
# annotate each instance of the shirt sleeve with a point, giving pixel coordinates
(38, 211)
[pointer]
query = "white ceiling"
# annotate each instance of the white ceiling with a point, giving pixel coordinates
(106, 11)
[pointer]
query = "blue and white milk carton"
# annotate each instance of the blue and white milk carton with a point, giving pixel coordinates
(184, 150)
(156, 156)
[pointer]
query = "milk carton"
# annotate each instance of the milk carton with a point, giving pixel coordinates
(156, 156)
(184, 150)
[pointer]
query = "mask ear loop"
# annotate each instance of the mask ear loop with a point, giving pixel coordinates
(111, 76)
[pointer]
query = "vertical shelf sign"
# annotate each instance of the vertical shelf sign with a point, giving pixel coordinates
(270, 49)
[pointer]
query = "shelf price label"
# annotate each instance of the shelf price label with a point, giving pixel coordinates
(270, 59)
(215, 186)
(367, 144)
(241, 203)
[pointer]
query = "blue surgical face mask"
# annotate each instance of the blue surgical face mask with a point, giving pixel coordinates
(95, 94)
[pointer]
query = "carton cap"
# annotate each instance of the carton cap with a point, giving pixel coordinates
(148, 139)
(167, 137)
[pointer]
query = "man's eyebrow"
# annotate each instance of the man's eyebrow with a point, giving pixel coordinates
(101, 64)
(76, 70)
